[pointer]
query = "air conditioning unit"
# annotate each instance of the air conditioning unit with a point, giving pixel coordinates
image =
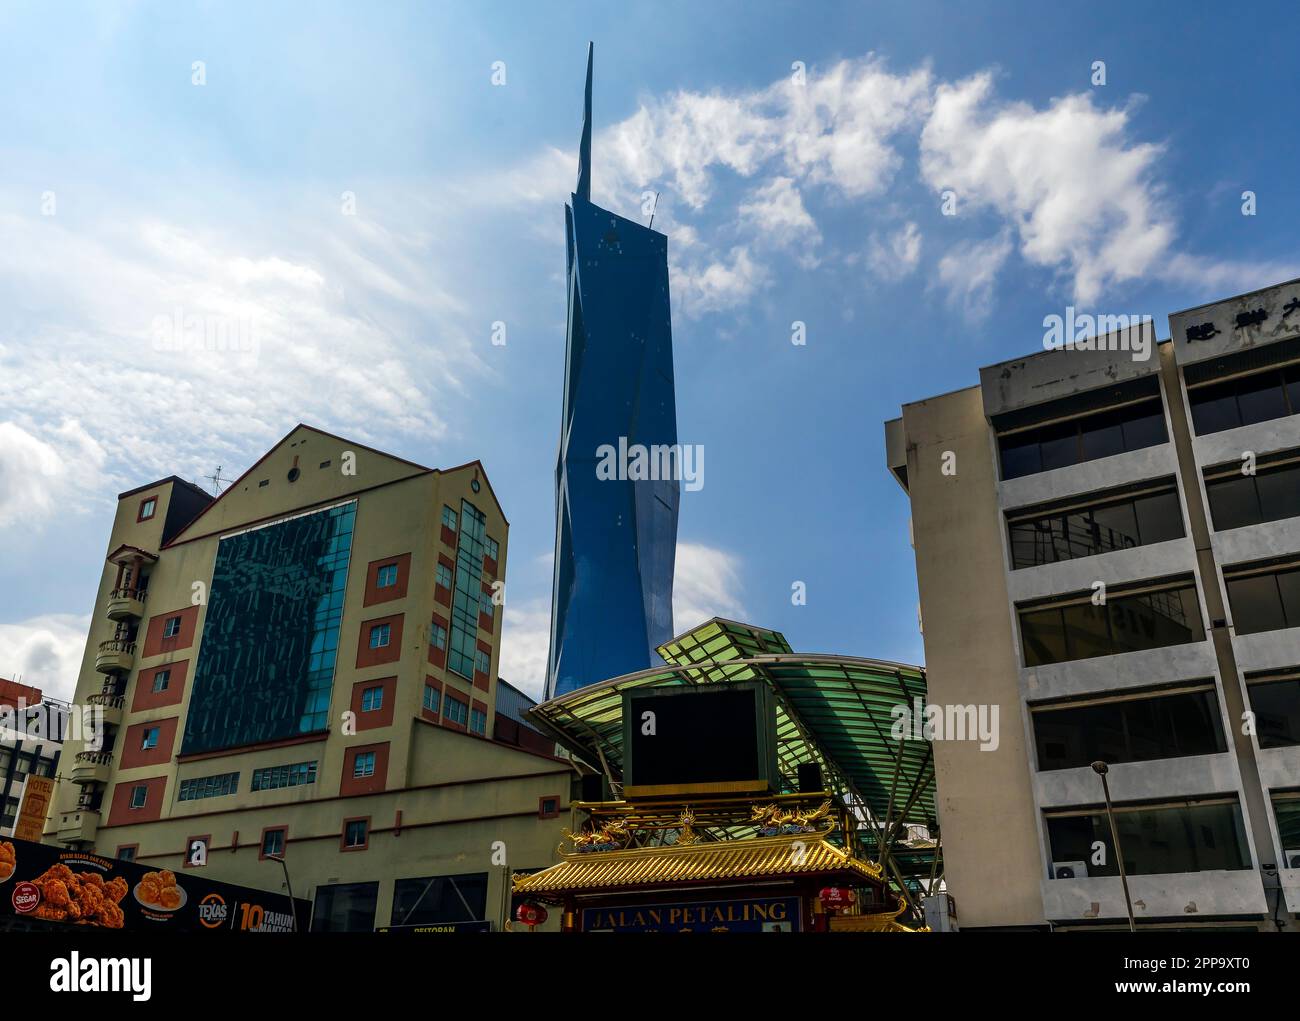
(1291, 858)
(1069, 870)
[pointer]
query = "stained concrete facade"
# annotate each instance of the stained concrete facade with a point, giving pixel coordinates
(994, 805)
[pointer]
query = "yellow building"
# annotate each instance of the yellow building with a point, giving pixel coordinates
(307, 666)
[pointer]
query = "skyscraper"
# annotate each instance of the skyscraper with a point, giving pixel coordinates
(615, 537)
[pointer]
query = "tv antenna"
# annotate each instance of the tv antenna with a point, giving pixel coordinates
(654, 210)
(217, 481)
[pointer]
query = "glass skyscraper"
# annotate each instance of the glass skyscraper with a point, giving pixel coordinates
(616, 533)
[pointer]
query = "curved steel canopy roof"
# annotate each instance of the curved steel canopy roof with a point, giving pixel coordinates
(834, 710)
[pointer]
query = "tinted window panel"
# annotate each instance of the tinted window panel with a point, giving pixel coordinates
(1233, 502)
(1074, 536)
(1102, 436)
(1161, 727)
(1261, 398)
(1144, 426)
(1277, 713)
(1155, 620)
(1256, 604)
(1116, 527)
(346, 908)
(1279, 494)
(1214, 408)
(1043, 634)
(1183, 838)
(1293, 389)
(1059, 445)
(1086, 631)
(1159, 518)
(1020, 456)
(1289, 584)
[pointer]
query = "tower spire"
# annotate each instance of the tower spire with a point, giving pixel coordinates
(584, 148)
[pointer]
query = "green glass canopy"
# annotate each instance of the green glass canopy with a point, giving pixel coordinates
(838, 711)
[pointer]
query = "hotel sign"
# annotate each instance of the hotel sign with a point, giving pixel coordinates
(768, 914)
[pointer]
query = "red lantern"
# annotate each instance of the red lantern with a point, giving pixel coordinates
(531, 915)
(835, 897)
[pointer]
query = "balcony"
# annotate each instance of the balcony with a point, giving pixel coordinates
(92, 767)
(77, 827)
(110, 707)
(126, 604)
(115, 656)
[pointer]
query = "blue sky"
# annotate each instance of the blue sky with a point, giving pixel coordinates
(130, 193)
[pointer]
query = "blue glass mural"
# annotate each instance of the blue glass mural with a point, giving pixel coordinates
(616, 537)
(271, 634)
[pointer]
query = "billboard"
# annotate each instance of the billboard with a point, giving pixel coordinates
(45, 883)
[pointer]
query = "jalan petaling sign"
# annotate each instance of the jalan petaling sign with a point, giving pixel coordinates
(774, 914)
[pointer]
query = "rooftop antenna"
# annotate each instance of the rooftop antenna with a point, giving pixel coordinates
(654, 210)
(216, 480)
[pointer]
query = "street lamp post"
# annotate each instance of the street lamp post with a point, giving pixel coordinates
(1101, 769)
(293, 904)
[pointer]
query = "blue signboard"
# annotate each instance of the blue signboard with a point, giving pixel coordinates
(766, 914)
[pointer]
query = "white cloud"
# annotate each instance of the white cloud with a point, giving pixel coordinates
(969, 271)
(699, 288)
(895, 255)
(777, 211)
(45, 652)
(706, 583)
(526, 644)
(51, 466)
(1078, 192)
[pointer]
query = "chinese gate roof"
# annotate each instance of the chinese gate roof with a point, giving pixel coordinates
(770, 857)
(834, 710)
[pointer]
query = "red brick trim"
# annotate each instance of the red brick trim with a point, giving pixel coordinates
(381, 717)
(155, 644)
(153, 513)
(146, 698)
(261, 841)
(390, 653)
(189, 842)
(374, 594)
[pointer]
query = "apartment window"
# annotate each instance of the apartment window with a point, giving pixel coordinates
(161, 681)
(273, 841)
(386, 576)
(454, 710)
(147, 508)
(491, 549)
(438, 636)
(363, 765)
(485, 605)
(356, 833)
(437, 900)
(1271, 494)
(482, 662)
(1087, 527)
(468, 591)
(1265, 600)
(127, 852)
(171, 627)
(1286, 808)
(442, 576)
(548, 808)
(274, 777)
(478, 721)
(1157, 839)
(149, 739)
(1127, 622)
(448, 517)
(139, 795)
(431, 698)
(347, 907)
(1246, 400)
(1101, 434)
(1128, 728)
(380, 635)
(372, 699)
(1275, 701)
(216, 786)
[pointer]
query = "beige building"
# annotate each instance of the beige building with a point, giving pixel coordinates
(307, 666)
(1107, 542)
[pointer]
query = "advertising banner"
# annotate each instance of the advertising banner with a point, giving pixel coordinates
(37, 792)
(42, 882)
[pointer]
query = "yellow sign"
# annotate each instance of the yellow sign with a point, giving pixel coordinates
(37, 792)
